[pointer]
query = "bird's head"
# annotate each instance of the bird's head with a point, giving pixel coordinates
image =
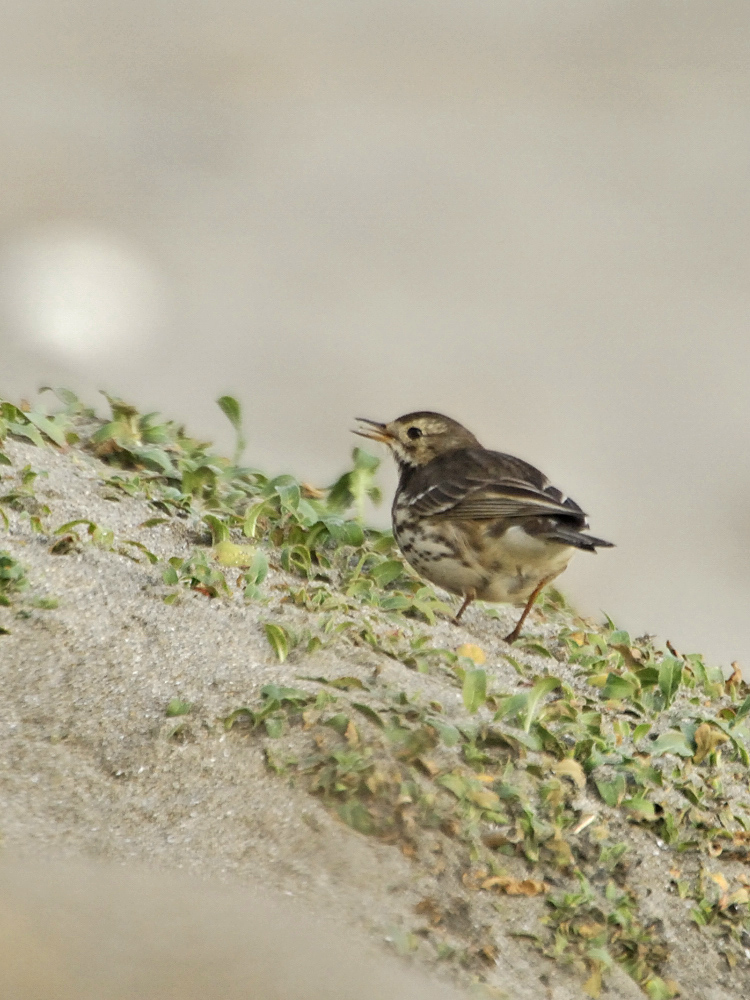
(417, 438)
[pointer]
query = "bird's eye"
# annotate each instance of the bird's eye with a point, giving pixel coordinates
(414, 433)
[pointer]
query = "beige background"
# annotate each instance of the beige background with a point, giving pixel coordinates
(531, 216)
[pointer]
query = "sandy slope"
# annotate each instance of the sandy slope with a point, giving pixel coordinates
(91, 768)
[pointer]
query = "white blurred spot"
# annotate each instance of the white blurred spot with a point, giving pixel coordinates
(78, 293)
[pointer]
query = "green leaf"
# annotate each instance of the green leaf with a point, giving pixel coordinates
(219, 528)
(357, 816)
(539, 691)
(448, 734)
(619, 638)
(527, 739)
(64, 528)
(612, 791)
(278, 638)
(178, 707)
(152, 558)
(672, 741)
(345, 532)
(339, 722)
(153, 521)
(4, 460)
(454, 783)
(518, 667)
(357, 485)
(288, 491)
(156, 458)
(535, 647)
(369, 713)
(395, 602)
(640, 731)
(274, 726)
(647, 676)
(26, 430)
(657, 989)
(274, 692)
(512, 706)
(229, 554)
(742, 711)
(258, 570)
(618, 688)
(251, 518)
(102, 536)
(297, 558)
(640, 809)
(387, 572)
(239, 713)
(233, 412)
(474, 689)
(53, 431)
(670, 675)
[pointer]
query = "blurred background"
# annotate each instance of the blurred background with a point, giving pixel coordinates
(531, 216)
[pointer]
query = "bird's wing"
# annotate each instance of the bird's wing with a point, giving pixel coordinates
(490, 485)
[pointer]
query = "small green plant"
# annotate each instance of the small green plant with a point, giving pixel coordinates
(13, 577)
(197, 572)
(178, 707)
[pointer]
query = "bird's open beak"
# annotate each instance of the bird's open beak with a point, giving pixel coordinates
(375, 432)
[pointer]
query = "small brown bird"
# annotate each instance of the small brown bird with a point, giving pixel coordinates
(478, 523)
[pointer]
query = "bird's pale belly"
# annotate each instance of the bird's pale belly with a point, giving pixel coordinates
(464, 557)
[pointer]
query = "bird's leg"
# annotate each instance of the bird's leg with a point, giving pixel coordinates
(512, 636)
(468, 598)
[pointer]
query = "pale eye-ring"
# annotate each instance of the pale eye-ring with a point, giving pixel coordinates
(414, 433)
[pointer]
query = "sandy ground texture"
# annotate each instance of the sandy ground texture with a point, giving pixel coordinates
(92, 768)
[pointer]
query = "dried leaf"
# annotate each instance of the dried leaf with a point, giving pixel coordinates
(570, 768)
(428, 766)
(584, 822)
(347, 683)
(736, 676)
(429, 908)
(472, 652)
(707, 739)
(483, 797)
(593, 985)
(516, 887)
(589, 930)
(473, 880)
(721, 881)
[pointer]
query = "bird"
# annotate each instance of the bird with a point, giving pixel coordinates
(478, 523)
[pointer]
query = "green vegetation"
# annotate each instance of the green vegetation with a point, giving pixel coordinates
(659, 741)
(12, 577)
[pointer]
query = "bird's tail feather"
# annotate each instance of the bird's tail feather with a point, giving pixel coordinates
(569, 536)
